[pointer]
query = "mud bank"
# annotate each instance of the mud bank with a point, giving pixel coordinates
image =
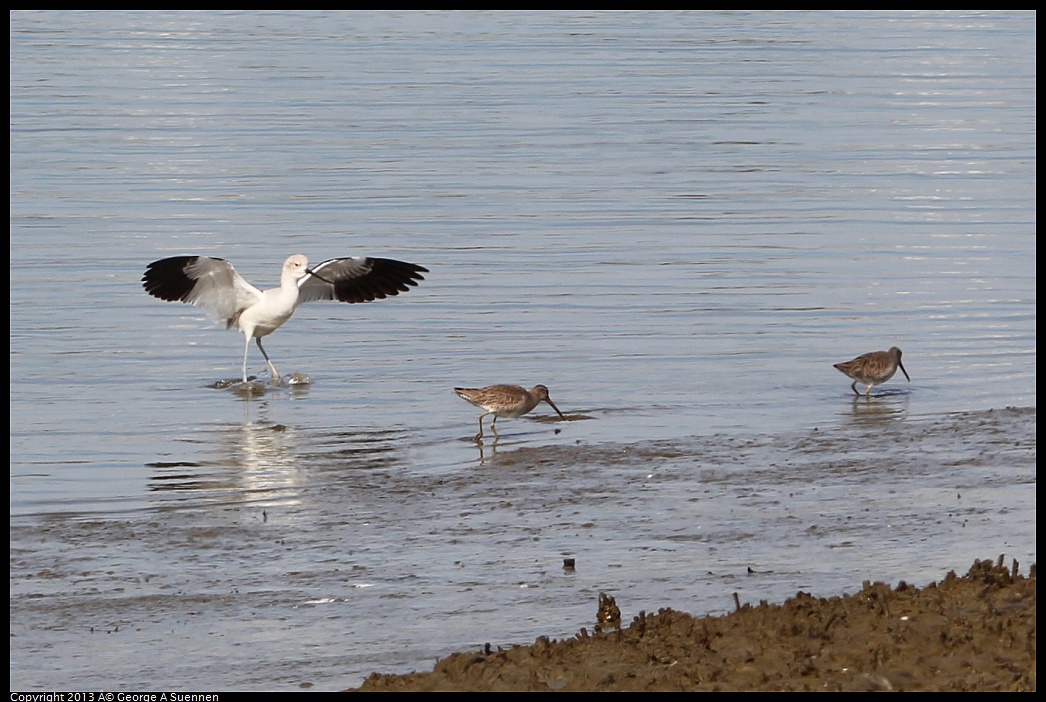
(971, 633)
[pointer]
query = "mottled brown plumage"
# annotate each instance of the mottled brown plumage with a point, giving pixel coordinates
(873, 368)
(505, 401)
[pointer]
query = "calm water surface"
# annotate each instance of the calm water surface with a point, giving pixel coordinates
(677, 222)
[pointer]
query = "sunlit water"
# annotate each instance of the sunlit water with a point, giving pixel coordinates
(677, 222)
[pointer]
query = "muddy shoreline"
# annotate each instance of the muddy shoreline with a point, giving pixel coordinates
(971, 633)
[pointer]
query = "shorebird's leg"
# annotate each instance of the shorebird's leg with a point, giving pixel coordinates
(272, 368)
(246, 348)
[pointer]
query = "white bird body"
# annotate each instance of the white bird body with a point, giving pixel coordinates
(272, 308)
(213, 285)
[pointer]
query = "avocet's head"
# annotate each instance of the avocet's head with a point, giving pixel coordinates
(297, 266)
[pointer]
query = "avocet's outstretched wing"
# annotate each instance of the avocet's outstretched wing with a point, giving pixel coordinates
(358, 279)
(211, 284)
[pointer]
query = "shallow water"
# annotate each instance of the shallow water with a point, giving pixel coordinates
(677, 222)
(323, 557)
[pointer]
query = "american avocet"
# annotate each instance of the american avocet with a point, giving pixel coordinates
(505, 401)
(873, 368)
(214, 285)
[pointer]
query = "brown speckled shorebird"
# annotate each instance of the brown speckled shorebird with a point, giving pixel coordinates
(505, 401)
(873, 368)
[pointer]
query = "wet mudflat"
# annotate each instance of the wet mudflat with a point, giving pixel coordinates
(971, 633)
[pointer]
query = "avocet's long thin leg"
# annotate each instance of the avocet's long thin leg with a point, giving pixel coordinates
(272, 366)
(246, 348)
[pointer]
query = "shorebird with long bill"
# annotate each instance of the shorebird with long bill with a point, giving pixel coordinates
(505, 401)
(873, 369)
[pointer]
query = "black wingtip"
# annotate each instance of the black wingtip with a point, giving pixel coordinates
(386, 278)
(167, 280)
